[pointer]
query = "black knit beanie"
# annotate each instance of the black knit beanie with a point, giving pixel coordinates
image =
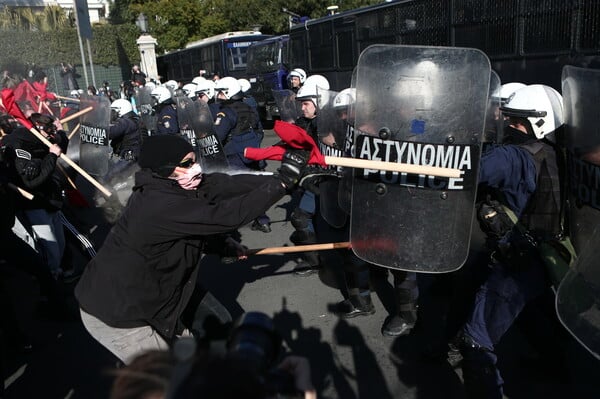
(163, 153)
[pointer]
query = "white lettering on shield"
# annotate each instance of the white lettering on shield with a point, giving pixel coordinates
(93, 135)
(438, 155)
(585, 181)
(209, 145)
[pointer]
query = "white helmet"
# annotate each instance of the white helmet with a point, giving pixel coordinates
(171, 85)
(309, 90)
(150, 85)
(345, 98)
(299, 73)
(540, 104)
(197, 80)
(121, 106)
(207, 87)
(190, 90)
(229, 86)
(244, 85)
(507, 90)
(161, 94)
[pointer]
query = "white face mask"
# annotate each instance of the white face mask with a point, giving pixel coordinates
(192, 177)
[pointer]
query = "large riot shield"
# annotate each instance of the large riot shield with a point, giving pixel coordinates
(578, 297)
(94, 148)
(332, 135)
(144, 107)
(185, 118)
(289, 109)
(422, 106)
(494, 122)
(209, 147)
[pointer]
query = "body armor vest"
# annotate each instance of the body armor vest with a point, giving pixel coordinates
(542, 214)
(246, 117)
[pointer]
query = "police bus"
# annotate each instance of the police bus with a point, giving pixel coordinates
(267, 70)
(223, 54)
(526, 40)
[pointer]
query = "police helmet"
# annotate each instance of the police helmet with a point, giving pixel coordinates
(161, 94)
(150, 85)
(171, 85)
(541, 105)
(206, 87)
(229, 86)
(299, 73)
(244, 85)
(345, 98)
(121, 106)
(309, 90)
(197, 80)
(190, 90)
(507, 90)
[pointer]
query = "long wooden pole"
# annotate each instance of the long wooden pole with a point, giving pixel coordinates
(21, 191)
(75, 100)
(73, 164)
(299, 248)
(76, 115)
(392, 166)
(74, 131)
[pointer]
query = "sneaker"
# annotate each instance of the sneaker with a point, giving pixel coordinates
(395, 326)
(264, 227)
(304, 269)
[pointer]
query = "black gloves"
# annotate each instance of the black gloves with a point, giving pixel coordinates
(292, 167)
(31, 170)
(312, 175)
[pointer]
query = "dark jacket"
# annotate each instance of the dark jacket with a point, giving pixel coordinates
(46, 184)
(146, 270)
(125, 135)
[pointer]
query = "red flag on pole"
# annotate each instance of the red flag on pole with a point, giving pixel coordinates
(8, 100)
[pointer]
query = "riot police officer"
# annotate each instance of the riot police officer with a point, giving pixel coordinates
(296, 79)
(522, 210)
(166, 111)
(124, 132)
(237, 126)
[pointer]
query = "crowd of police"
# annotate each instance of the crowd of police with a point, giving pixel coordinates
(181, 182)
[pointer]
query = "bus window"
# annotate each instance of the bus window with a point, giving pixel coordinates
(345, 49)
(321, 50)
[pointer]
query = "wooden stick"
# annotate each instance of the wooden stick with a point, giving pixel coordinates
(74, 130)
(76, 100)
(299, 248)
(40, 106)
(73, 164)
(21, 191)
(64, 172)
(47, 107)
(392, 166)
(76, 114)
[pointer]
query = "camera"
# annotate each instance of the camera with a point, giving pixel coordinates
(244, 362)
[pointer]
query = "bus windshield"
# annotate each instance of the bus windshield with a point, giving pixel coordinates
(236, 55)
(264, 58)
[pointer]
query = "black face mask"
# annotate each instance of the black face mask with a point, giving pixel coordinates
(516, 137)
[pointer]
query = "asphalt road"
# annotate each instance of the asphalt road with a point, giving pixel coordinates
(349, 358)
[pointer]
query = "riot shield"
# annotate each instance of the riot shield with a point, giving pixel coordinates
(144, 107)
(94, 148)
(494, 122)
(578, 297)
(210, 148)
(289, 109)
(332, 135)
(423, 106)
(185, 118)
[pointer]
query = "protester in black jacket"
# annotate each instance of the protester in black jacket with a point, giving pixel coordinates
(133, 293)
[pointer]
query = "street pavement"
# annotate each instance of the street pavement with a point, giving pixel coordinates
(349, 358)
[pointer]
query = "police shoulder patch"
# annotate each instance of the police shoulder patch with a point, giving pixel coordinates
(23, 154)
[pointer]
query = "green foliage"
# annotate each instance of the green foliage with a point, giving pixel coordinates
(111, 45)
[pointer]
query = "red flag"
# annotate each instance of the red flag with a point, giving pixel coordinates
(41, 89)
(295, 137)
(8, 100)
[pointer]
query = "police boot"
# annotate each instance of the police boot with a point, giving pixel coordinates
(481, 378)
(399, 324)
(355, 305)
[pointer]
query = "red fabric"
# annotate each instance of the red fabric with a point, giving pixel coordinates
(41, 88)
(295, 137)
(8, 99)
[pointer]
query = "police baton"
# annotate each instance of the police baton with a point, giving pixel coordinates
(76, 115)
